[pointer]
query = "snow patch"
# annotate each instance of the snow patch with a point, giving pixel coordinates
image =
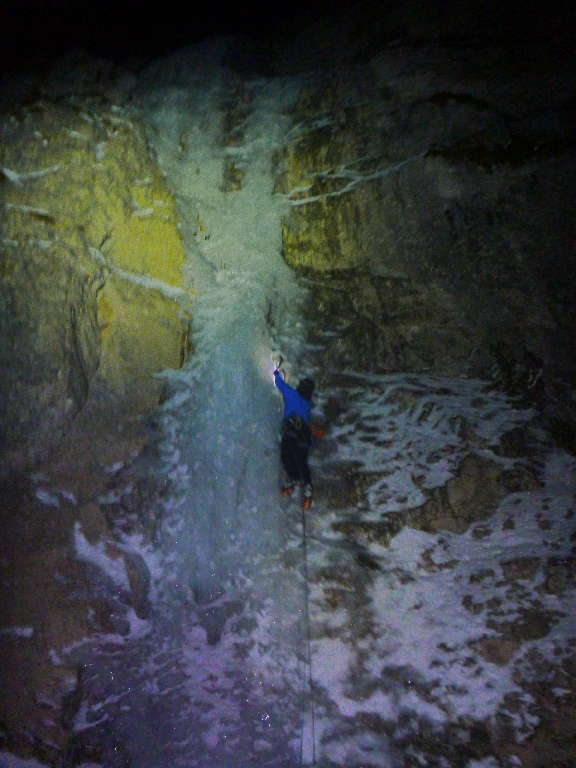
(18, 631)
(114, 567)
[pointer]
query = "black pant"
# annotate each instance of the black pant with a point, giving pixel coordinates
(294, 457)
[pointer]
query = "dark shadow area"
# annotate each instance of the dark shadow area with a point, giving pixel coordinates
(33, 33)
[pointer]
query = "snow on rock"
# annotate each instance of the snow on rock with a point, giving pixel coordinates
(407, 430)
(443, 625)
(18, 631)
(412, 615)
(101, 556)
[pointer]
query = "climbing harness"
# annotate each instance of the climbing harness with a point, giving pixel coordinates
(297, 429)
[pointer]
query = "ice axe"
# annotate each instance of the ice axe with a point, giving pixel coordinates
(280, 361)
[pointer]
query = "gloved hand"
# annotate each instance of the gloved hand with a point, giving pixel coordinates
(276, 371)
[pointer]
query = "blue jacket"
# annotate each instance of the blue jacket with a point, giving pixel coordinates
(294, 404)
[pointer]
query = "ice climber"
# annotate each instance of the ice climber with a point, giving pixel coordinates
(296, 436)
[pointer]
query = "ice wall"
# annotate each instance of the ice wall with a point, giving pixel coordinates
(222, 425)
(220, 680)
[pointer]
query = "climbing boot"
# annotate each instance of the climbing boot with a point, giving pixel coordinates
(288, 490)
(307, 496)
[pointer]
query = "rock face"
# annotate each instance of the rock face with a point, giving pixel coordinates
(431, 187)
(91, 266)
(53, 596)
(430, 192)
(92, 307)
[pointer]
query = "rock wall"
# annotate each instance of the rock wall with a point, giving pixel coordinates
(91, 289)
(92, 308)
(431, 189)
(432, 224)
(431, 198)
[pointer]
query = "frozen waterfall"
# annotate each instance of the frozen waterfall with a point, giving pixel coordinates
(220, 680)
(238, 607)
(228, 672)
(223, 424)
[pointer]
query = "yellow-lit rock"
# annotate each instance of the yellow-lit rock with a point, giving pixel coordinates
(310, 237)
(331, 225)
(91, 308)
(91, 269)
(320, 236)
(138, 335)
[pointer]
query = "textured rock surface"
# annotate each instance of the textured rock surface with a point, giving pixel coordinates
(430, 186)
(432, 224)
(91, 270)
(92, 308)
(431, 194)
(50, 600)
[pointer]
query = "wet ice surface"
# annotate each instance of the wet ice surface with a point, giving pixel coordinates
(218, 675)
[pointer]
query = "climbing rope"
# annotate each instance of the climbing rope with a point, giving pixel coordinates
(307, 626)
(308, 647)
